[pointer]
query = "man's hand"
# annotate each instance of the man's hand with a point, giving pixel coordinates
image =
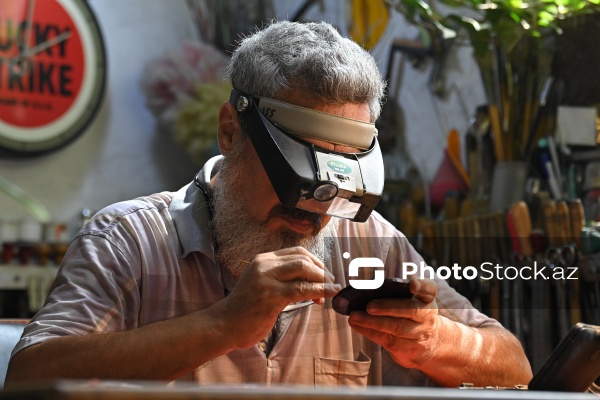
(449, 352)
(408, 328)
(269, 283)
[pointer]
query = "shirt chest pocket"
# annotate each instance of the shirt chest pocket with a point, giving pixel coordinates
(330, 372)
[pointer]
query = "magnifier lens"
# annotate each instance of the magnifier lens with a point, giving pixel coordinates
(325, 192)
(338, 207)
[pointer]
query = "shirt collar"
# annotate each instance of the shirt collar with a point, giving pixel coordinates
(191, 213)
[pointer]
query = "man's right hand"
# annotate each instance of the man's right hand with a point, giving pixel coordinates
(268, 284)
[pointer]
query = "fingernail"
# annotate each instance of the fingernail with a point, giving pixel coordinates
(355, 317)
(329, 274)
(418, 285)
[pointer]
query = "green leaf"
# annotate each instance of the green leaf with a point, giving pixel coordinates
(518, 4)
(506, 20)
(545, 18)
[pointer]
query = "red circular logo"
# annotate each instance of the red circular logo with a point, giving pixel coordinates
(42, 62)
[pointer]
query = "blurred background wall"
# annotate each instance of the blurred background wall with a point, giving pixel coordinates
(124, 153)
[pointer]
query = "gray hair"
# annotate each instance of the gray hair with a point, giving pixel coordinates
(310, 57)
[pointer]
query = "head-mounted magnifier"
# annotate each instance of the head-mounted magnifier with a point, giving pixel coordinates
(345, 185)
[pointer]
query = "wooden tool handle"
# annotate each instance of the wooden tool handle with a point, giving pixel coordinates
(550, 223)
(563, 222)
(522, 224)
(463, 238)
(577, 221)
(407, 219)
(496, 132)
(428, 236)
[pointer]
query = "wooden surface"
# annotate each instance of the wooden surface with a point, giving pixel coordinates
(109, 390)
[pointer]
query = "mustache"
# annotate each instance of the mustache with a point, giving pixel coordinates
(281, 210)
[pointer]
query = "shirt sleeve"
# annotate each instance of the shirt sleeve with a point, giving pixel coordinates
(95, 290)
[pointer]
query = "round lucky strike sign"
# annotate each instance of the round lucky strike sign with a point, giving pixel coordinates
(52, 73)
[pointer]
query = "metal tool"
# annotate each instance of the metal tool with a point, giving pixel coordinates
(519, 222)
(577, 217)
(555, 258)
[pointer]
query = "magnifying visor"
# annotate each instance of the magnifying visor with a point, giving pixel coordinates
(305, 176)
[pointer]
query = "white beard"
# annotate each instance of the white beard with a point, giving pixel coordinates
(240, 237)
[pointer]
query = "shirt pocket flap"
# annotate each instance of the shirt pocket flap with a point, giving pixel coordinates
(333, 372)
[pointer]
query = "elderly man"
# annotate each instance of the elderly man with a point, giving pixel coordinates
(230, 279)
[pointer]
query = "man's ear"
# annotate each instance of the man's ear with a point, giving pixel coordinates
(230, 131)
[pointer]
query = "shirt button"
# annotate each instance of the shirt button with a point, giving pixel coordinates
(262, 346)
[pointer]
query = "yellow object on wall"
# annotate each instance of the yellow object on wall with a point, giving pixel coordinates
(367, 20)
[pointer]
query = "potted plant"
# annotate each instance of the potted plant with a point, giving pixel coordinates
(513, 44)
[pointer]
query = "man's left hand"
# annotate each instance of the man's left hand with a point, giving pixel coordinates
(408, 328)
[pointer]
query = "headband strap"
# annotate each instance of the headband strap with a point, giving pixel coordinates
(308, 123)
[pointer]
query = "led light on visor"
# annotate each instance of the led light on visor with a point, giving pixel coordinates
(326, 191)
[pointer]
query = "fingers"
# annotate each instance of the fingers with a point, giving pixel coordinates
(416, 308)
(295, 275)
(269, 283)
(407, 352)
(411, 309)
(293, 264)
(380, 337)
(305, 275)
(300, 250)
(300, 268)
(398, 327)
(300, 290)
(410, 341)
(424, 289)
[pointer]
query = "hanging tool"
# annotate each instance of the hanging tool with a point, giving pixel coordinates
(521, 220)
(539, 345)
(519, 225)
(555, 162)
(499, 228)
(427, 240)
(544, 121)
(554, 260)
(479, 127)
(453, 153)
(491, 249)
(496, 132)
(495, 104)
(436, 78)
(476, 252)
(577, 222)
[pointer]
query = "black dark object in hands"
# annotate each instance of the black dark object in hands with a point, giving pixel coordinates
(350, 299)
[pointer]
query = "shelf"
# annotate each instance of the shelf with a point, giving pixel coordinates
(24, 276)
